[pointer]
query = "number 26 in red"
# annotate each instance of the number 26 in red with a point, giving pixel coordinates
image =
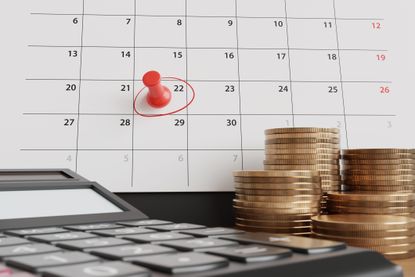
(384, 90)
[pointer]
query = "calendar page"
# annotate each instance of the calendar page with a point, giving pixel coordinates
(70, 70)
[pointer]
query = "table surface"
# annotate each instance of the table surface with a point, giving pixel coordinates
(408, 266)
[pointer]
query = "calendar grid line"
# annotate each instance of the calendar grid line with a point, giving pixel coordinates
(208, 48)
(79, 86)
(213, 114)
(141, 149)
(209, 16)
(133, 96)
(216, 81)
(187, 93)
(239, 81)
(289, 64)
(341, 75)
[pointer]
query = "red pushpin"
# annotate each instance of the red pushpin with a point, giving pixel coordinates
(158, 96)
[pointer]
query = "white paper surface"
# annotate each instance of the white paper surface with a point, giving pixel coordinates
(70, 70)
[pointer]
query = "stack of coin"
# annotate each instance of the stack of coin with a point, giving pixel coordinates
(306, 149)
(379, 170)
(276, 201)
(371, 203)
(393, 236)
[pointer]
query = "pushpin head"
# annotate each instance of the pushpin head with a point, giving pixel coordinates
(158, 96)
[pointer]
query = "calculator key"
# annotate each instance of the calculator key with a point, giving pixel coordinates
(127, 251)
(9, 241)
(34, 263)
(193, 244)
(123, 232)
(156, 237)
(36, 231)
(27, 249)
(252, 253)
(217, 231)
(90, 227)
(2, 235)
(92, 243)
(176, 227)
(297, 244)
(107, 269)
(181, 262)
(62, 236)
(145, 222)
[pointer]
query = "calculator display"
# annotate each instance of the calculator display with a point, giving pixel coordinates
(53, 202)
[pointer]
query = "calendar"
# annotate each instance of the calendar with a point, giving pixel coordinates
(70, 70)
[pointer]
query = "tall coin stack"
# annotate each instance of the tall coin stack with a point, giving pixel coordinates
(393, 236)
(276, 201)
(306, 149)
(381, 181)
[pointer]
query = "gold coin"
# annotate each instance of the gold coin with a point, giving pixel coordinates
(378, 156)
(301, 130)
(301, 145)
(333, 169)
(274, 217)
(390, 248)
(282, 206)
(330, 177)
(384, 241)
(296, 198)
(278, 180)
(386, 167)
(380, 162)
(304, 151)
(354, 182)
(364, 233)
(302, 157)
(302, 162)
(295, 186)
(369, 197)
(371, 204)
(270, 192)
(303, 135)
(364, 222)
(275, 211)
(272, 223)
(368, 210)
(379, 151)
(375, 189)
(399, 255)
(302, 140)
(269, 173)
(380, 177)
(281, 230)
(360, 172)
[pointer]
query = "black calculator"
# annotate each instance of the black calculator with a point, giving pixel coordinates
(56, 223)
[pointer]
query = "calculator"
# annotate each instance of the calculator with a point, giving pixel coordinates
(55, 223)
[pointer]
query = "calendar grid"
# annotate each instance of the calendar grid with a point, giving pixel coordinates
(209, 16)
(280, 76)
(341, 75)
(133, 96)
(239, 82)
(79, 86)
(289, 64)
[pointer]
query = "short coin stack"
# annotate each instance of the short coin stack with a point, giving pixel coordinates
(393, 236)
(306, 149)
(379, 170)
(394, 203)
(276, 201)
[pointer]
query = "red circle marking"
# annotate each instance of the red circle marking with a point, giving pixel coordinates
(169, 113)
